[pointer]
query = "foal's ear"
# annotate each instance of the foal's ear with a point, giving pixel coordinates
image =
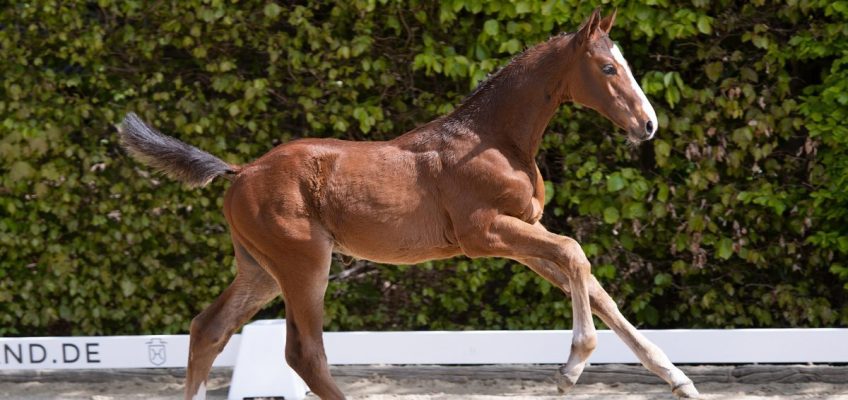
(606, 23)
(589, 31)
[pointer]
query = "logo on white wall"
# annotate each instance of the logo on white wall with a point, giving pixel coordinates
(156, 351)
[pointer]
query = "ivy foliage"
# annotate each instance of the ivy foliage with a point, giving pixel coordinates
(736, 215)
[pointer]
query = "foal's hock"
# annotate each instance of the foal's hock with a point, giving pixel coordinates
(466, 183)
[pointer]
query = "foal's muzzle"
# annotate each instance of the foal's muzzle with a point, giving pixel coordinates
(642, 132)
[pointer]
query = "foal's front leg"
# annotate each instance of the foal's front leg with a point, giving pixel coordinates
(512, 238)
(651, 356)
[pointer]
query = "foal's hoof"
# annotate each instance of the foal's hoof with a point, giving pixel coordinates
(686, 391)
(564, 382)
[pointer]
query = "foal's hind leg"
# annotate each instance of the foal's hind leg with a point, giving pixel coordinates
(212, 328)
(298, 256)
(651, 356)
(304, 342)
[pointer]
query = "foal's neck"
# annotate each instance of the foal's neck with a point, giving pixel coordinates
(515, 105)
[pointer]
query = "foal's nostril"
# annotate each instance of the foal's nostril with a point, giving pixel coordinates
(649, 127)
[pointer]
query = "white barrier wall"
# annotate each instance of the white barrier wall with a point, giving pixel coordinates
(694, 346)
(96, 352)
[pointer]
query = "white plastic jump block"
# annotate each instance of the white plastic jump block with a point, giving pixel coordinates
(261, 369)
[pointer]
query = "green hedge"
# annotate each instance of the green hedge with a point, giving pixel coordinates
(736, 215)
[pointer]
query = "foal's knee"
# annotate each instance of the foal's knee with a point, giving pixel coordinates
(574, 259)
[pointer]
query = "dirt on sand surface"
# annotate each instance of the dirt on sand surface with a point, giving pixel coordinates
(441, 383)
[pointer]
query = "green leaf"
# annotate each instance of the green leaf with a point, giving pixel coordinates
(662, 192)
(233, 110)
(705, 24)
(662, 279)
(635, 211)
(724, 249)
(511, 46)
(272, 10)
(615, 182)
(604, 271)
(128, 287)
(491, 27)
(611, 215)
(522, 7)
(662, 150)
(549, 192)
(714, 70)
(21, 170)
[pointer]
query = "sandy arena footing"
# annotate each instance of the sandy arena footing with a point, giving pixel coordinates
(515, 382)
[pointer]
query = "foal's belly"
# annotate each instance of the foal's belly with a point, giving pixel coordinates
(391, 235)
(398, 256)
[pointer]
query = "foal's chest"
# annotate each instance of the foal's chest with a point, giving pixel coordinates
(492, 180)
(525, 205)
(517, 193)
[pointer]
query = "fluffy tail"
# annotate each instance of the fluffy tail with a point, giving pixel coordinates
(180, 161)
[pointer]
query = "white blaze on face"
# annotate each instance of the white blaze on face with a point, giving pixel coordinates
(646, 105)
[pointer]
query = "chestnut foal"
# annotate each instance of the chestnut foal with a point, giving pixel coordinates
(466, 183)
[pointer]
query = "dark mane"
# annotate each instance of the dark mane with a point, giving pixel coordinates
(492, 78)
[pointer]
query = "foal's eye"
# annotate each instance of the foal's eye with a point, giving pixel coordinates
(609, 69)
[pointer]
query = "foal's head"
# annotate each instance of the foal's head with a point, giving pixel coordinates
(602, 80)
